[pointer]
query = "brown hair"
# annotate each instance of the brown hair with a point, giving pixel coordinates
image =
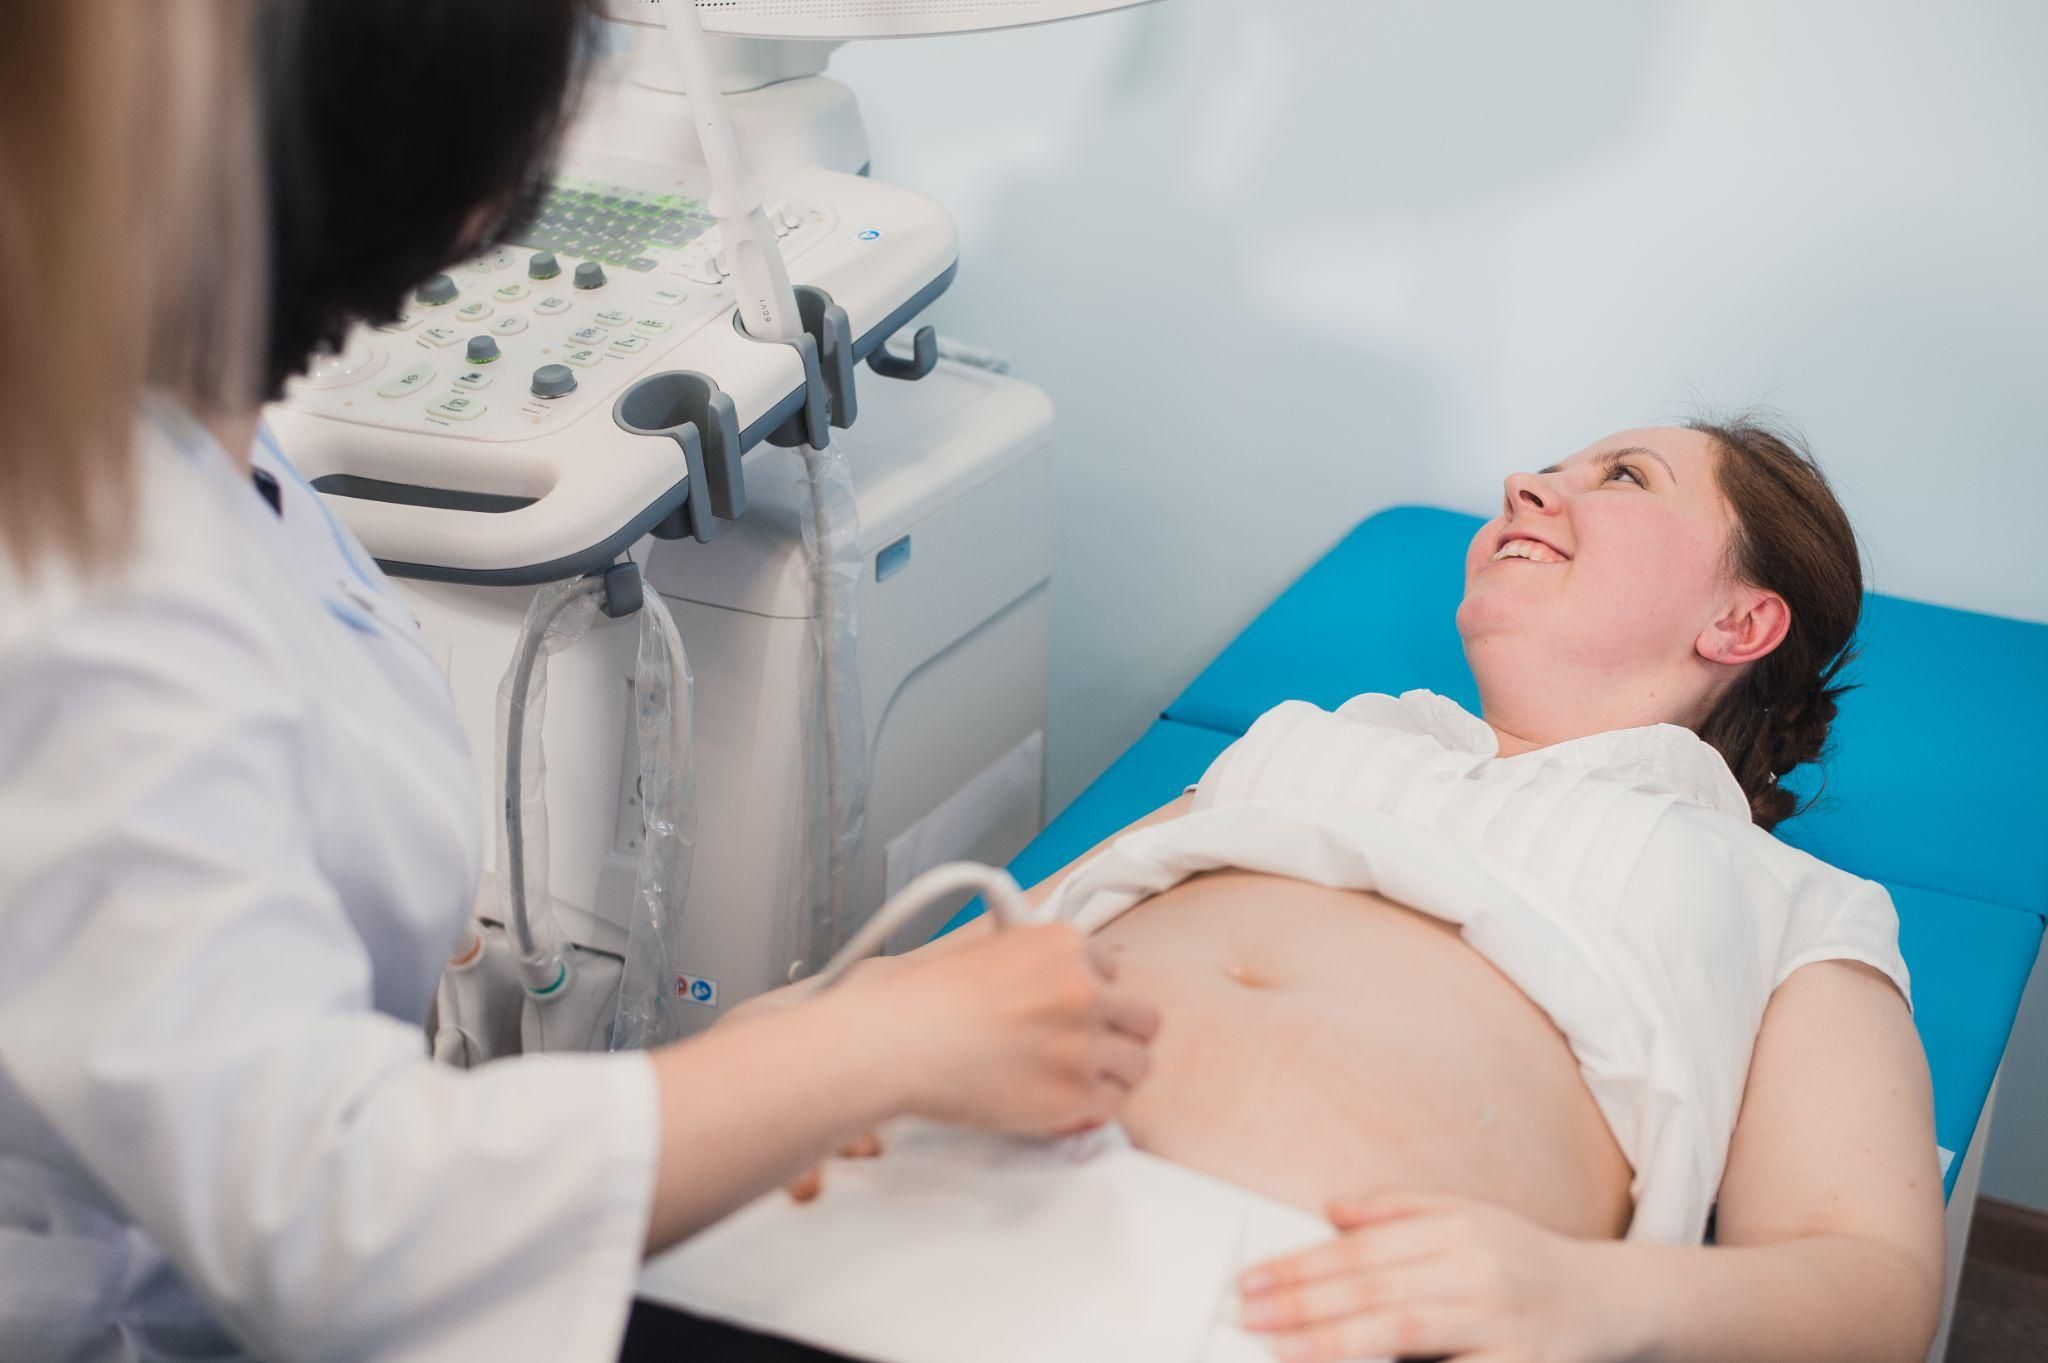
(131, 251)
(1791, 537)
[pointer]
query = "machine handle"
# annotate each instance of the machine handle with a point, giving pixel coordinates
(453, 537)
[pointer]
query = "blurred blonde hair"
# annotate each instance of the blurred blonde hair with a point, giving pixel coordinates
(131, 250)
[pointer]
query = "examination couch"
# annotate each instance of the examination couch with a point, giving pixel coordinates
(1913, 795)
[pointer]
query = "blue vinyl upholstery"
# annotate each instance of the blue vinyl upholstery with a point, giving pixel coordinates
(1930, 784)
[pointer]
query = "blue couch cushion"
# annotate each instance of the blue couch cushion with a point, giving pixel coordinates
(1932, 769)
(1970, 962)
(1376, 613)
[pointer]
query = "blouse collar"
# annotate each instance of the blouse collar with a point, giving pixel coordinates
(1667, 755)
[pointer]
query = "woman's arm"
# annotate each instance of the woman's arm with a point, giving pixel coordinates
(1830, 1226)
(1830, 1230)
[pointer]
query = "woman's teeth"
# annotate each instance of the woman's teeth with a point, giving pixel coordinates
(1534, 550)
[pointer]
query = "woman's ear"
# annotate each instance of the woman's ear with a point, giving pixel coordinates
(1752, 624)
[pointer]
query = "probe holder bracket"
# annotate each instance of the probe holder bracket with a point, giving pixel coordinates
(924, 357)
(688, 408)
(826, 346)
(623, 592)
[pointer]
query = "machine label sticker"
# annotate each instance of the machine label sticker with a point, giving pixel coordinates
(697, 990)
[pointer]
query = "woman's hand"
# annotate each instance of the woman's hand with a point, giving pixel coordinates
(1415, 1275)
(1022, 1030)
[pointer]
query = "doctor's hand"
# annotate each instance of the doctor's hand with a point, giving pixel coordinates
(1422, 1276)
(1023, 1030)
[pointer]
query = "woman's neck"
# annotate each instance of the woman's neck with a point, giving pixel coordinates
(1527, 727)
(1511, 744)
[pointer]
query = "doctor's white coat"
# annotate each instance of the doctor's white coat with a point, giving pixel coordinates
(238, 835)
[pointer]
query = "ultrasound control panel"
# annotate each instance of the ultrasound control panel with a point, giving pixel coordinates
(612, 274)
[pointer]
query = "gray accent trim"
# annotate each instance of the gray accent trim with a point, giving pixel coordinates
(594, 559)
(413, 494)
(773, 419)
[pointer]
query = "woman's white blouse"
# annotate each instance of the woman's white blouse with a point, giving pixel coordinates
(238, 836)
(1616, 879)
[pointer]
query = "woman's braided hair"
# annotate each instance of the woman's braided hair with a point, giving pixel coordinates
(1792, 537)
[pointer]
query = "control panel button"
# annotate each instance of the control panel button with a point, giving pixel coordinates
(542, 265)
(482, 350)
(436, 291)
(405, 321)
(582, 357)
(553, 381)
(511, 324)
(613, 317)
(667, 298)
(549, 306)
(472, 379)
(630, 344)
(509, 293)
(698, 269)
(654, 326)
(590, 275)
(456, 407)
(475, 310)
(589, 335)
(408, 380)
(436, 337)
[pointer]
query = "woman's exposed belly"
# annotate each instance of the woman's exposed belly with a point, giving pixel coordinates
(1318, 1043)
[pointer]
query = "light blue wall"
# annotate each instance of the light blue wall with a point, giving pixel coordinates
(1284, 262)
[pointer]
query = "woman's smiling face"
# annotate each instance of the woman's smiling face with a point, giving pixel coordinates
(1610, 568)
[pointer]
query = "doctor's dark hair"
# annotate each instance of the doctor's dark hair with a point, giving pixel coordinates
(402, 136)
(1791, 537)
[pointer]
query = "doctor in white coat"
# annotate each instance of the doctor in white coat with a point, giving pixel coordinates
(237, 828)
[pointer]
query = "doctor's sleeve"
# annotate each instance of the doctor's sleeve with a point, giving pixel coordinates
(185, 1003)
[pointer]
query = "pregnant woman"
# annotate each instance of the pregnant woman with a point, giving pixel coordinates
(1490, 991)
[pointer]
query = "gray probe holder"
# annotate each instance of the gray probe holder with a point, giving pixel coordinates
(827, 350)
(688, 408)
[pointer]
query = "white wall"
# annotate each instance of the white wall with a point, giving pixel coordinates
(1284, 262)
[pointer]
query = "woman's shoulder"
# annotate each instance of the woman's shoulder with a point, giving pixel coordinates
(1707, 847)
(173, 583)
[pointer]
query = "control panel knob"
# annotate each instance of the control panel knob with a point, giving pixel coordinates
(542, 265)
(482, 349)
(439, 289)
(590, 275)
(553, 381)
